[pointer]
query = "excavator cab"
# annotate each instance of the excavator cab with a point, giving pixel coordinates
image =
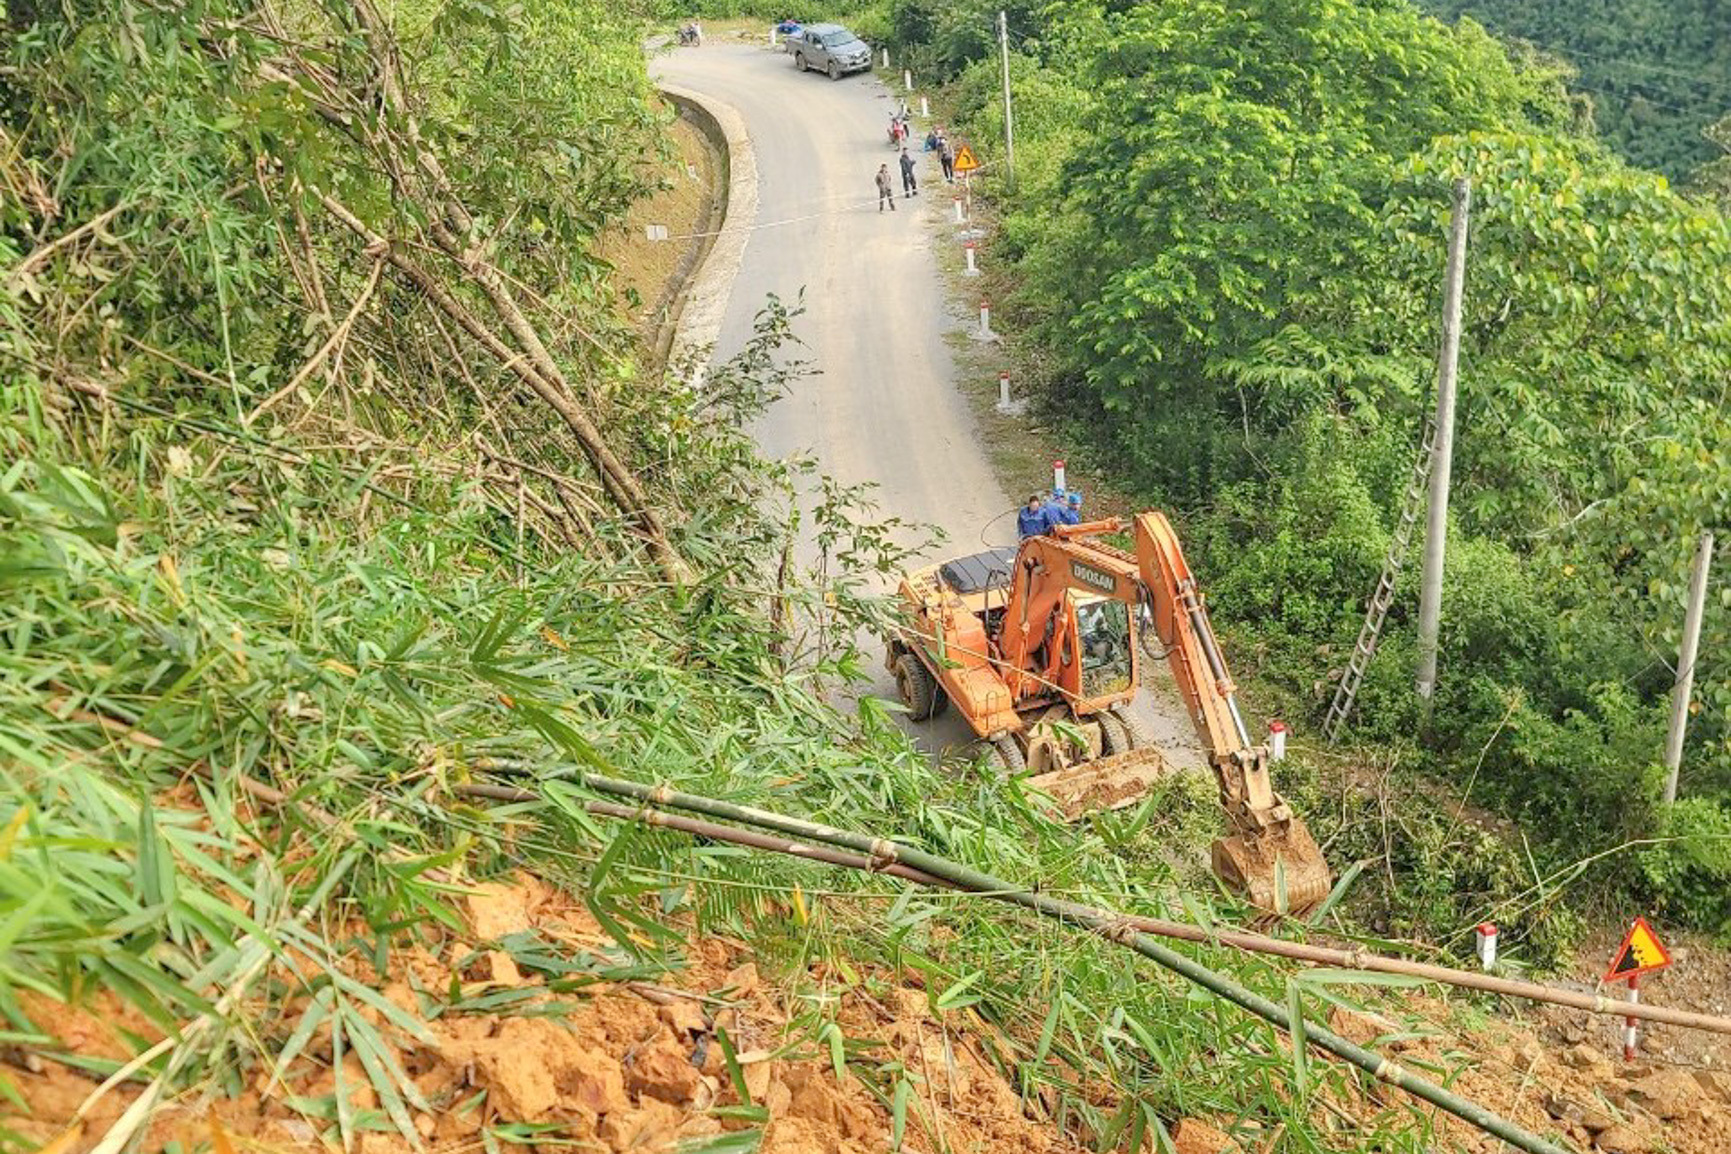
(1107, 648)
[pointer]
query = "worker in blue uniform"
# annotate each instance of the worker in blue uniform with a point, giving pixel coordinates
(1033, 519)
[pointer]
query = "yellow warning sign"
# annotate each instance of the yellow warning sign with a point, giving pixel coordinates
(1640, 952)
(966, 161)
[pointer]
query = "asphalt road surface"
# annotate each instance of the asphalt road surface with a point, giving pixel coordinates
(883, 408)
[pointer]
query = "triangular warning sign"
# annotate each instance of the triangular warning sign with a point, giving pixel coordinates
(965, 160)
(1640, 952)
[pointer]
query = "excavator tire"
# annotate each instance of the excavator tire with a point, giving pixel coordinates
(918, 688)
(1115, 736)
(1007, 756)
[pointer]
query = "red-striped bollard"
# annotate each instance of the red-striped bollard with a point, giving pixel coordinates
(961, 215)
(972, 269)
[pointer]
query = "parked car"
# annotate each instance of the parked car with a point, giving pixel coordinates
(829, 48)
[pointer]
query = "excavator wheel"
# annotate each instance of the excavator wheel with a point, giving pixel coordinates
(1115, 735)
(1006, 755)
(918, 688)
(1281, 869)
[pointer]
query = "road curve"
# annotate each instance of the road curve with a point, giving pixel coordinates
(884, 407)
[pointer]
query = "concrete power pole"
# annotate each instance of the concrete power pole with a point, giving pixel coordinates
(1684, 689)
(1436, 523)
(1009, 131)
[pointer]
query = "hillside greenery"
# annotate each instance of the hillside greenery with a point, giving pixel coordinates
(1228, 238)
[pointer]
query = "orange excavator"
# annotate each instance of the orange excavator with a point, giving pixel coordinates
(1037, 648)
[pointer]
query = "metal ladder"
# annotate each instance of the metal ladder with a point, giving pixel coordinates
(1377, 611)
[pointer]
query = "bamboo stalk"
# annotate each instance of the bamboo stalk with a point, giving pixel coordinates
(825, 854)
(884, 853)
(1320, 955)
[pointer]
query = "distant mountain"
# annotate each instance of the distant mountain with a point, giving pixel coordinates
(1659, 71)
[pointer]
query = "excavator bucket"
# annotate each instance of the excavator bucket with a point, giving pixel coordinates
(1103, 784)
(1280, 869)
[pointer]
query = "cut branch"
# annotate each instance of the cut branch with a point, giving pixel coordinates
(621, 484)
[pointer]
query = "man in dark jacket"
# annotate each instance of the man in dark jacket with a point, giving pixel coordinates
(886, 190)
(947, 158)
(910, 186)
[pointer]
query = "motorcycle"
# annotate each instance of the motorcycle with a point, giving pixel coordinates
(690, 36)
(898, 132)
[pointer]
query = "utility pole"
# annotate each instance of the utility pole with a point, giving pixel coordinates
(1684, 689)
(1436, 523)
(1009, 131)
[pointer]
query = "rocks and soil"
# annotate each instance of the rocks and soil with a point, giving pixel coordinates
(626, 1067)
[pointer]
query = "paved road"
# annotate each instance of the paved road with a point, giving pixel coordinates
(884, 407)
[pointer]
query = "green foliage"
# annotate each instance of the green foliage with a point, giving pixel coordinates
(1690, 869)
(1656, 74)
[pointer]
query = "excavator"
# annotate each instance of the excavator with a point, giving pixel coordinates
(1037, 648)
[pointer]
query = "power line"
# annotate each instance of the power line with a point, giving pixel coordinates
(1696, 77)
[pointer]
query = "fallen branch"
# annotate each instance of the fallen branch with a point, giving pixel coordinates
(621, 485)
(336, 338)
(42, 255)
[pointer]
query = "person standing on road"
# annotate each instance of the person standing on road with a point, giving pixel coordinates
(910, 186)
(947, 158)
(886, 190)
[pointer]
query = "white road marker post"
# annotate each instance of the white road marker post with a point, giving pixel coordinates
(908, 79)
(985, 332)
(886, 57)
(1276, 741)
(772, 36)
(1058, 477)
(961, 216)
(1486, 942)
(925, 109)
(1004, 405)
(1629, 1035)
(972, 269)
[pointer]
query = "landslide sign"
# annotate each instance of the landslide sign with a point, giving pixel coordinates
(1641, 952)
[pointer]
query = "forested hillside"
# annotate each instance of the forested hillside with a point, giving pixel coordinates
(1657, 73)
(344, 526)
(1228, 237)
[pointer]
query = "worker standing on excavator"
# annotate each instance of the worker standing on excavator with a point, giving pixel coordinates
(1067, 508)
(1034, 519)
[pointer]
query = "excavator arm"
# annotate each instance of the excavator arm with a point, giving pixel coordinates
(1270, 855)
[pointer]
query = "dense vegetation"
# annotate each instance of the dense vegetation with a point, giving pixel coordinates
(1228, 237)
(1657, 74)
(331, 483)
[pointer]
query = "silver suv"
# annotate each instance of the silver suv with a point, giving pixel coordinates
(830, 48)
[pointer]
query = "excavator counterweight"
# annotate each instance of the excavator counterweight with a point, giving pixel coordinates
(1036, 646)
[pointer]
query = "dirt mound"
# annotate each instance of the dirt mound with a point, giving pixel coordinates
(1583, 1093)
(622, 1066)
